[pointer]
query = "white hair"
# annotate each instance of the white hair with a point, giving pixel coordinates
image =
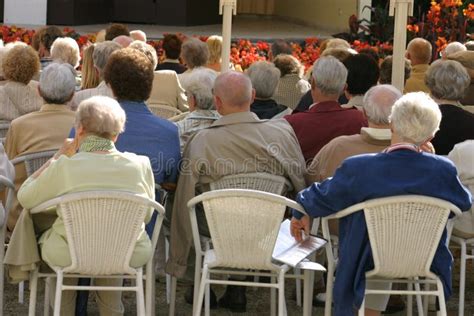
(265, 77)
(415, 117)
(138, 35)
(330, 75)
(454, 47)
(102, 52)
(66, 50)
(199, 85)
(146, 49)
(101, 116)
(5, 49)
(57, 83)
(447, 79)
(378, 102)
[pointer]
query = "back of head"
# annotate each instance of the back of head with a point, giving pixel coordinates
(200, 84)
(130, 74)
(371, 52)
(101, 116)
(363, 73)
(465, 58)
(90, 77)
(280, 47)
(146, 49)
(340, 53)
(49, 35)
(214, 44)
(172, 46)
(386, 70)
(378, 102)
(452, 48)
(138, 35)
(447, 80)
(338, 43)
(66, 50)
(36, 39)
(115, 30)
(329, 76)
(470, 45)
(234, 89)
(288, 65)
(21, 64)
(3, 52)
(102, 52)
(57, 83)
(415, 118)
(194, 53)
(123, 40)
(419, 51)
(265, 77)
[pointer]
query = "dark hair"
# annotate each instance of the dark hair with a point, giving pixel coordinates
(130, 75)
(370, 52)
(172, 46)
(363, 73)
(386, 70)
(281, 47)
(116, 29)
(48, 35)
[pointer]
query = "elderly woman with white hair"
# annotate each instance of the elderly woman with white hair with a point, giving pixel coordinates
(265, 77)
(66, 50)
(90, 161)
(195, 54)
(400, 169)
(448, 82)
(201, 104)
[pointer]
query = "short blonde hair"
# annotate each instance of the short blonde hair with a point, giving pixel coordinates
(101, 116)
(415, 117)
(214, 43)
(21, 64)
(66, 50)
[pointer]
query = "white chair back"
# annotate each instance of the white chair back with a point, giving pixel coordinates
(163, 111)
(34, 161)
(404, 233)
(254, 181)
(243, 224)
(102, 228)
(4, 126)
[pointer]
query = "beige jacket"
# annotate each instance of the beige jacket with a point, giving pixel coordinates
(38, 131)
(17, 99)
(102, 89)
(235, 143)
(416, 82)
(167, 90)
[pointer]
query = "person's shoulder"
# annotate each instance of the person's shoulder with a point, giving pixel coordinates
(163, 124)
(23, 120)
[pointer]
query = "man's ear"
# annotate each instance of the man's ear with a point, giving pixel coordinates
(218, 103)
(254, 92)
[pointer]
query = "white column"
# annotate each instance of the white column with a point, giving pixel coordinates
(401, 9)
(227, 8)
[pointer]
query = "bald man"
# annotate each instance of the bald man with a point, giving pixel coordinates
(238, 142)
(419, 52)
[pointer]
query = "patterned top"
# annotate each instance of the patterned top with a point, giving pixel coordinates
(195, 121)
(18, 99)
(291, 89)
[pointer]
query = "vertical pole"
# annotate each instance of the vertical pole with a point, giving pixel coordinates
(401, 9)
(227, 8)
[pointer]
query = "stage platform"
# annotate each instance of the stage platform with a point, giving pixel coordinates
(244, 26)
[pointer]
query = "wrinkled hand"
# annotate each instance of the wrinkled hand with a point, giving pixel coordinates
(428, 148)
(68, 148)
(299, 225)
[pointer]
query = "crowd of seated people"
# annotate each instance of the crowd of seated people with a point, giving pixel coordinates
(340, 134)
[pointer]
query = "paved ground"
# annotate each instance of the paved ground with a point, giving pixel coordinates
(258, 300)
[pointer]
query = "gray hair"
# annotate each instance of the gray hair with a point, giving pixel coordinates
(453, 47)
(102, 52)
(338, 43)
(329, 75)
(66, 50)
(233, 88)
(386, 70)
(447, 79)
(265, 77)
(378, 102)
(138, 35)
(57, 83)
(415, 117)
(101, 116)
(199, 84)
(146, 49)
(194, 52)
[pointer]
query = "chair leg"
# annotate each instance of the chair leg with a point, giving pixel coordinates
(308, 292)
(57, 297)
(33, 293)
(21, 292)
(47, 289)
(362, 308)
(419, 301)
(410, 300)
(140, 294)
(281, 294)
(149, 284)
(197, 304)
(273, 298)
(208, 300)
(197, 276)
(172, 296)
(462, 278)
(168, 277)
(298, 287)
(329, 287)
(442, 302)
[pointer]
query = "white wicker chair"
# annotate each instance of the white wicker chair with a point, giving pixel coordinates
(243, 239)
(7, 185)
(34, 161)
(411, 225)
(254, 181)
(4, 126)
(164, 111)
(465, 245)
(102, 228)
